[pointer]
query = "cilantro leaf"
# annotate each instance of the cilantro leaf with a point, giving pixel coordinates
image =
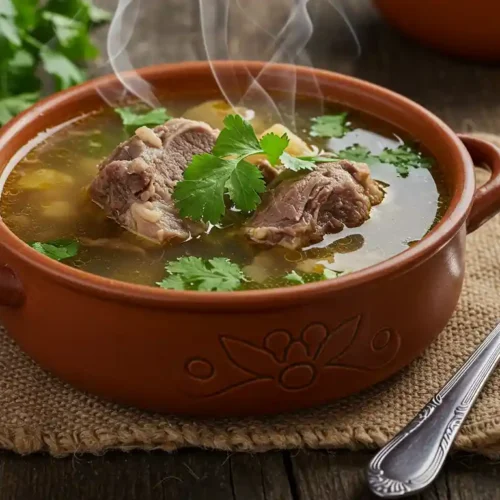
(9, 31)
(200, 195)
(356, 153)
(319, 159)
(293, 277)
(403, 158)
(327, 274)
(237, 139)
(26, 28)
(193, 273)
(7, 8)
(61, 68)
(65, 29)
(296, 164)
(131, 118)
(72, 36)
(244, 186)
(26, 13)
(21, 69)
(172, 282)
(11, 106)
(273, 146)
(98, 15)
(329, 126)
(58, 249)
(74, 9)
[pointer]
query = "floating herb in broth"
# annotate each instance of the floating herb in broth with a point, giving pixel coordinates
(54, 208)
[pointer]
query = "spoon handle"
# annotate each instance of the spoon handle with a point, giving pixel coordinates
(413, 459)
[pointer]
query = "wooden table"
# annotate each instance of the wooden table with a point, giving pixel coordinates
(464, 94)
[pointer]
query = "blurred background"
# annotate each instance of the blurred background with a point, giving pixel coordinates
(348, 36)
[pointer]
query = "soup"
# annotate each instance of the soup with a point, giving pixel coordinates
(352, 217)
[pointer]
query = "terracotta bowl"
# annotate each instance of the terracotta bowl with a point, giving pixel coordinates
(252, 352)
(460, 27)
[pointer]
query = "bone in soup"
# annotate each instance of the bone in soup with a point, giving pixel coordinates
(203, 198)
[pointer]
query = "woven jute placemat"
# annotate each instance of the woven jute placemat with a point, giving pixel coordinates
(40, 413)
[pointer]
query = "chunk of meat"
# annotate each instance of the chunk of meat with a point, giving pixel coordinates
(302, 208)
(134, 184)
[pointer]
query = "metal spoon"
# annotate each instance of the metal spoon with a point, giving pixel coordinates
(412, 460)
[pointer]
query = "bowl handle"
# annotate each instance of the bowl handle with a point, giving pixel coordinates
(486, 202)
(11, 291)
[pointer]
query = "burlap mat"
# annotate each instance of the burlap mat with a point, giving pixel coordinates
(40, 413)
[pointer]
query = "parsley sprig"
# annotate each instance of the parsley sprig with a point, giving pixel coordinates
(329, 125)
(193, 273)
(404, 158)
(210, 176)
(302, 279)
(57, 249)
(53, 35)
(133, 118)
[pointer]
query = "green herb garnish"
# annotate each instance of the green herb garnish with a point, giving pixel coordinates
(329, 126)
(11, 106)
(320, 159)
(327, 274)
(404, 158)
(192, 273)
(295, 278)
(57, 249)
(297, 163)
(132, 119)
(356, 153)
(26, 28)
(209, 177)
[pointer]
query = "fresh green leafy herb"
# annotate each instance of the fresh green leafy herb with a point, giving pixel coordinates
(404, 158)
(133, 119)
(237, 139)
(293, 277)
(209, 177)
(274, 146)
(356, 153)
(72, 36)
(98, 15)
(51, 34)
(296, 164)
(329, 126)
(320, 159)
(192, 273)
(11, 106)
(65, 73)
(57, 249)
(327, 274)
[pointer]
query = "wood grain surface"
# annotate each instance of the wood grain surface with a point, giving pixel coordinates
(464, 94)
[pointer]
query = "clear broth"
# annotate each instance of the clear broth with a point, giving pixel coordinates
(411, 206)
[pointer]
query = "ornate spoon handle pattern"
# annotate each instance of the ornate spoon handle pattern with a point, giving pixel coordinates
(413, 459)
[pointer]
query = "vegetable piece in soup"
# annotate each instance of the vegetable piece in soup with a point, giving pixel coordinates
(193, 196)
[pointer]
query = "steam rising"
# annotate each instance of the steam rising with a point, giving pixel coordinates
(231, 31)
(120, 32)
(287, 44)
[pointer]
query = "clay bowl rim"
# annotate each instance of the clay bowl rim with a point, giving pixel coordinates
(108, 288)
